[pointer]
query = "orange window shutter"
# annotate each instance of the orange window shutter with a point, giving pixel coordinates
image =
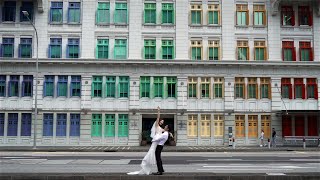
(247, 18)
(294, 56)
(265, 18)
(311, 54)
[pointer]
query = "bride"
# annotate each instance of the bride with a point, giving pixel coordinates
(150, 158)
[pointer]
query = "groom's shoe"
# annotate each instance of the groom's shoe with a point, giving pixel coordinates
(157, 173)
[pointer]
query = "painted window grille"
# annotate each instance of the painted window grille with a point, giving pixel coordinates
(305, 16)
(205, 125)
(73, 49)
(259, 15)
(9, 11)
(196, 50)
(3, 86)
(286, 126)
(26, 124)
(242, 15)
(7, 47)
(265, 88)
(205, 87)
(55, 48)
(158, 86)
(103, 49)
(97, 86)
(14, 86)
(103, 13)
(252, 126)
(299, 89)
(213, 14)
(25, 48)
(171, 86)
(1, 124)
(121, 13)
(312, 88)
(111, 86)
(196, 14)
(96, 127)
(123, 86)
(74, 124)
(109, 128)
(56, 12)
(12, 124)
(150, 14)
(266, 125)
(213, 50)
(239, 88)
(26, 6)
(218, 126)
(260, 51)
(120, 49)
(74, 12)
(27, 85)
(305, 51)
(192, 125)
(243, 50)
(218, 88)
(286, 88)
(145, 86)
(62, 86)
(167, 49)
(192, 87)
(252, 88)
(150, 49)
(288, 51)
(167, 13)
(47, 124)
(48, 86)
(61, 129)
(75, 86)
(123, 125)
(240, 126)
(287, 16)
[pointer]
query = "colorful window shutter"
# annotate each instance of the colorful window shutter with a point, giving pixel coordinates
(62, 87)
(109, 128)
(47, 124)
(123, 86)
(110, 86)
(61, 125)
(3, 88)
(1, 124)
(123, 125)
(96, 127)
(74, 124)
(12, 124)
(26, 124)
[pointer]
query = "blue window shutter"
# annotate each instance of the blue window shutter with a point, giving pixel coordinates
(26, 124)
(61, 124)
(1, 124)
(75, 125)
(12, 124)
(47, 124)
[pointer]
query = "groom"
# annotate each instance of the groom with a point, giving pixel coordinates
(161, 139)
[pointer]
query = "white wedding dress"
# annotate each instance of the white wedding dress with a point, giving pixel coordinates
(150, 158)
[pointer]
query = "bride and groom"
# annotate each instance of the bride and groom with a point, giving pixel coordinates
(159, 137)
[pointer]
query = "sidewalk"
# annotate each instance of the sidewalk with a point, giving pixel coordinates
(145, 148)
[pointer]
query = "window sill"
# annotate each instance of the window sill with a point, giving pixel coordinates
(8, 22)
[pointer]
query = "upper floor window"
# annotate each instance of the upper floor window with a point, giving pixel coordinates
(74, 12)
(192, 87)
(26, 6)
(103, 13)
(48, 89)
(196, 14)
(312, 88)
(218, 88)
(239, 88)
(25, 48)
(75, 86)
(145, 87)
(97, 86)
(288, 51)
(9, 11)
(305, 51)
(213, 50)
(259, 15)
(3, 88)
(287, 16)
(73, 48)
(27, 84)
(305, 16)
(150, 14)
(120, 49)
(7, 47)
(252, 88)
(299, 88)
(56, 12)
(150, 49)
(14, 86)
(55, 48)
(243, 50)
(121, 14)
(242, 15)
(213, 14)
(196, 50)
(62, 86)
(260, 50)
(286, 88)
(205, 87)
(167, 13)
(103, 49)
(167, 49)
(265, 88)
(123, 86)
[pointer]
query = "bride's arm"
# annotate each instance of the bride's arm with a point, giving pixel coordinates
(158, 117)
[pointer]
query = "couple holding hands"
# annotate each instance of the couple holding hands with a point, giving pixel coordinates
(159, 137)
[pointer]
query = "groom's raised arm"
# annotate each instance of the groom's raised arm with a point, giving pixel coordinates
(158, 117)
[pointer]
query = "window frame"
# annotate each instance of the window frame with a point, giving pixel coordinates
(14, 82)
(286, 82)
(265, 82)
(205, 88)
(158, 87)
(287, 10)
(12, 129)
(2, 124)
(259, 8)
(149, 46)
(48, 79)
(215, 46)
(109, 128)
(218, 82)
(61, 126)
(56, 6)
(253, 126)
(119, 44)
(169, 46)
(7, 42)
(205, 125)
(110, 87)
(47, 129)
(305, 46)
(29, 7)
(120, 8)
(298, 82)
(193, 83)
(260, 45)
(11, 7)
(242, 8)
(55, 43)
(3, 85)
(73, 43)
(192, 127)
(123, 125)
(27, 85)
(288, 45)
(150, 13)
(145, 89)
(312, 82)
(252, 93)
(75, 85)
(74, 7)
(102, 44)
(196, 45)
(96, 125)
(171, 87)
(124, 82)
(96, 91)
(103, 9)
(305, 11)
(166, 8)
(75, 123)
(266, 125)
(240, 127)
(196, 9)
(218, 122)
(25, 43)
(239, 83)
(62, 81)
(212, 9)
(243, 45)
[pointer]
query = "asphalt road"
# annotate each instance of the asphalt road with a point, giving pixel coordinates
(174, 162)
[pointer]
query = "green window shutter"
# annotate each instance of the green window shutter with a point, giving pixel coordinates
(192, 90)
(259, 54)
(120, 49)
(96, 127)
(123, 86)
(150, 49)
(109, 128)
(213, 18)
(167, 13)
(196, 17)
(171, 86)
(213, 53)
(97, 86)
(123, 125)
(242, 53)
(205, 90)
(150, 13)
(103, 13)
(49, 89)
(145, 87)
(121, 14)
(158, 86)
(110, 86)
(305, 55)
(167, 49)
(218, 90)
(252, 91)
(264, 90)
(102, 49)
(288, 55)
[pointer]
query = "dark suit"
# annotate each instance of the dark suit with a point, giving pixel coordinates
(158, 158)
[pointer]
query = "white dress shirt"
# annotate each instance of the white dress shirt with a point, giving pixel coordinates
(161, 138)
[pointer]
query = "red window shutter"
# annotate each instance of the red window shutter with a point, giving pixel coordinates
(290, 91)
(293, 21)
(300, 55)
(315, 91)
(282, 53)
(282, 17)
(294, 54)
(311, 54)
(310, 18)
(303, 91)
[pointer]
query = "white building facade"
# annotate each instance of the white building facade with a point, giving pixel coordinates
(218, 69)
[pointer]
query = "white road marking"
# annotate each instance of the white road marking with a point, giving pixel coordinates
(305, 160)
(276, 174)
(17, 157)
(245, 169)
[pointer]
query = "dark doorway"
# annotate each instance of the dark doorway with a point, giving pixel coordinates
(148, 120)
